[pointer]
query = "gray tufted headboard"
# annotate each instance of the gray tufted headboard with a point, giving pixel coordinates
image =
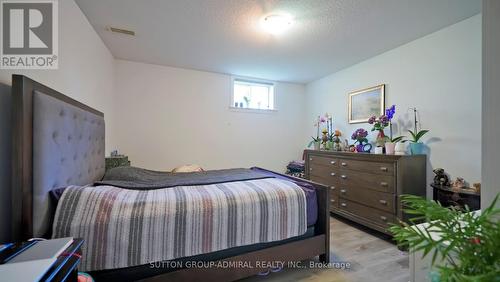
(57, 142)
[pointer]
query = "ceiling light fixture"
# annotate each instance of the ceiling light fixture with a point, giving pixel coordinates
(276, 24)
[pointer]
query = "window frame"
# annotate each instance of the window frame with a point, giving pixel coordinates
(255, 81)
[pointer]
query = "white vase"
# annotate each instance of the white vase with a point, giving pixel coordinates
(317, 145)
(379, 150)
(400, 149)
(390, 148)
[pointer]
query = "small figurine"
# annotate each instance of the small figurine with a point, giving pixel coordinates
(347, 148)
(440, 177)
(458, 184)
(477, 187)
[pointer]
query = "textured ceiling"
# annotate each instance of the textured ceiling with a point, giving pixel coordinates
(224, 36)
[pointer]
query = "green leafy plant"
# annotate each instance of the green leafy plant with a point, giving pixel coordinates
(247, 101)
(314, 140)
(416, 135)
(466, 244)
(397, 139)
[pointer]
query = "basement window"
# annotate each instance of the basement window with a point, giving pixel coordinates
(252, 94)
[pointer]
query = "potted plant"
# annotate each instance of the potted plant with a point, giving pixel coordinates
(325, 139)
(417, 147)
(316, 142)
(247, 101)
(379, 124)
(360, 136)
(335, 138)
(390, 144)
(464, 246)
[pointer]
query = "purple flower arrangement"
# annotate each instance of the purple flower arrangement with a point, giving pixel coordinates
(384, 121)
(360, 135)
(380, 123)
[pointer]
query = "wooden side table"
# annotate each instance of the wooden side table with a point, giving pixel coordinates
(448, 197)
(116, 161)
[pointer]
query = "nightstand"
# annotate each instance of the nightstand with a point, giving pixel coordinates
(116, 161)
(41, 260)
(448, 197)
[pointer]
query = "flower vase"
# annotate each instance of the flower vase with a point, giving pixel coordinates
(337, 147)
(400, 149)
(359, 148)
(363, 148)
(317, 145)
(329, 145)
(379, 150)
(417, 148)
(390, 148)
(380, 142)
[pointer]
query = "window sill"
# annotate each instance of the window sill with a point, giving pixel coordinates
(250, 110)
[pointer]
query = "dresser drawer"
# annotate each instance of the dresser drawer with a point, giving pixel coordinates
(377, 182)
(379, 200)
(325, 172)
(365, 166)
(328, 181)
(378, 217)
(334, 201)
(323, 160)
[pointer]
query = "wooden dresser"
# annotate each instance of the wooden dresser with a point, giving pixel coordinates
(366, 187)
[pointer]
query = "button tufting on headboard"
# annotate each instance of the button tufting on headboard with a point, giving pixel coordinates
(75, 159)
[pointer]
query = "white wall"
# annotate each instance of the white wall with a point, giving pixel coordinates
(170, 117)
(491, 102)
(440, 74)
(85, 73)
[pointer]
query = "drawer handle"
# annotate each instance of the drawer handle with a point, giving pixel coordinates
(332, 187)
(342, 191)
(343, 204)
(343, 164)
(333, 162)
(383, 218)
(310, 159)
(332, 200)
(384, 184)
(332, 174)
(383, 202)
(383, 168)
(310, 169)
(343, 176)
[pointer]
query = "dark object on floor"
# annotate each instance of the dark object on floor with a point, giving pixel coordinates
(450, 198)
(440, 177)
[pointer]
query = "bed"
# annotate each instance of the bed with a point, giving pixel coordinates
(59, 142)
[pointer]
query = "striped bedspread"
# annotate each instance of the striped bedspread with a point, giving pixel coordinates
(125, 228)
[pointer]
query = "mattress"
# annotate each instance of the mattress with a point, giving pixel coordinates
(123, 174)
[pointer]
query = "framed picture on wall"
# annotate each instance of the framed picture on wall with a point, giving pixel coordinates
(366, 103)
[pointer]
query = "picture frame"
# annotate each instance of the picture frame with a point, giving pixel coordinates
(366, 103)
